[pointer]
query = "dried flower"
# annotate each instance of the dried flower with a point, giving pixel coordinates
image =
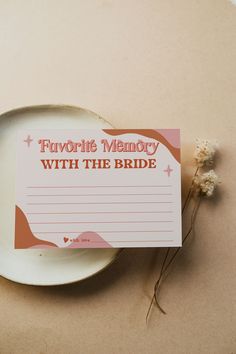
(203, 184)
(206, 183)
(205, 152)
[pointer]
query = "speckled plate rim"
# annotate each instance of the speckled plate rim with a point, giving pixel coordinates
(102, 269)
(39, 107)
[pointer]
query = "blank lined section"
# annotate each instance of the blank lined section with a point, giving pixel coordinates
(111, 209)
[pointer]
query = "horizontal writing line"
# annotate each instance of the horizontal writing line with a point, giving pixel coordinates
(98, 222)
(125, 186)
(112, 241)
(103, 212)
(75, 232)
(100, 203)
(93, 195)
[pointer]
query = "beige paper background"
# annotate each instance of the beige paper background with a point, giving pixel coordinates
(142, 64)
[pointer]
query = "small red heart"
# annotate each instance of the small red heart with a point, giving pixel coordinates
(66, 239)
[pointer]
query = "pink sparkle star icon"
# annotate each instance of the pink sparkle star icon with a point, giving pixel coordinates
(28, 141)
(168, 170)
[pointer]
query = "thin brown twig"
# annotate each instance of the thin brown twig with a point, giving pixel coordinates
(193, 218)
(165, 268)
(154, 297)
(190, 191)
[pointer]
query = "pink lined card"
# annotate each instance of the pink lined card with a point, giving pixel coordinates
(98, 188)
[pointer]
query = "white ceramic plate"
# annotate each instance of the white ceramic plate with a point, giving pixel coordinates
(42, 267)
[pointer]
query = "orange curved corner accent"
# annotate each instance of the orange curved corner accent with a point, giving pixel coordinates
(149, 133)
(24, 237)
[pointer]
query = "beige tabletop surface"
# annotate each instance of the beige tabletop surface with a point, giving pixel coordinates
(139, 64)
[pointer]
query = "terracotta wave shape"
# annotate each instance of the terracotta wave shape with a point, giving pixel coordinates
(24, 237)
(149, 133)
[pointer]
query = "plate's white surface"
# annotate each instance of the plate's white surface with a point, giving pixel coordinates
(41, 267)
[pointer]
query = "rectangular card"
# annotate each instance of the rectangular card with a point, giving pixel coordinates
(98, 188)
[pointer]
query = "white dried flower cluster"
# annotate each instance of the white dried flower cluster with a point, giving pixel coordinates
(206, 183)
(204, 152)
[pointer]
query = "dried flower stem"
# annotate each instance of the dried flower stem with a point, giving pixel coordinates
(193, 218)
(190, 191)
(154, 295)
(168, 251)
(203, 185)
(165, 267)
